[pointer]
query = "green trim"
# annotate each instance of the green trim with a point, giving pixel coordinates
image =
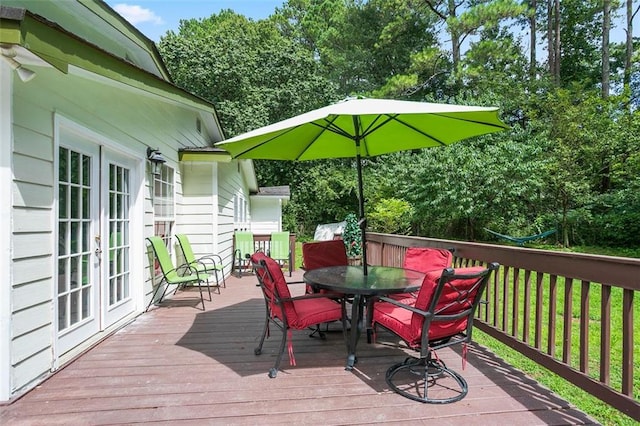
(205, 157)
(10, 31)
(104, 10)
(61, 49)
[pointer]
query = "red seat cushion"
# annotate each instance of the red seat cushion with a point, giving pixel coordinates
(322, 254)
(408, 325)
(315, 311)
(300, 313)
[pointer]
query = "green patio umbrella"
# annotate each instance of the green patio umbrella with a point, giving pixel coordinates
(363, 128)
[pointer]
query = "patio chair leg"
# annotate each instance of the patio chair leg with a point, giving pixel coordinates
(153, 297)
(258, 349)
(201, 295)
(274, 371)
(208, 289)
(224, 281)
(155, 293)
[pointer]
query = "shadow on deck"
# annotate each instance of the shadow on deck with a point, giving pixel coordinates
(178, 364)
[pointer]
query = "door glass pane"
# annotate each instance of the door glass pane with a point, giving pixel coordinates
(74, 287)
(119, 201)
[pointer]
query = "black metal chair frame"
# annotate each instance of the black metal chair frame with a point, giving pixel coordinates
(282, 324)
(426, 367)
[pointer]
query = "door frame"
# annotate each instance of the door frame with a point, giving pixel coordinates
(137, 255)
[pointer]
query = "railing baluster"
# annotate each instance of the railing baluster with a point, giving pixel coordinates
(496, 298)
(568, 320)
(505, 300)
(515, 312)
(539, 304)
(553, 309)
(584, 327)
(526, 329)
(605, 335)
(627, 342)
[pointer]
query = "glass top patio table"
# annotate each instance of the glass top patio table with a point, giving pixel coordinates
(350, 280)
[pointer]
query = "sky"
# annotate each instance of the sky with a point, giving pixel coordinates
(155, 17)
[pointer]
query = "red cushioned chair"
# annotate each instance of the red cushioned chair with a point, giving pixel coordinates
(322, 254)
(427, 259)
(424, 259)
(290, 313)
(441, 316)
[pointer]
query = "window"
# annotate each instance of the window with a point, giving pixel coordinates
(163, 204)
(240, 211)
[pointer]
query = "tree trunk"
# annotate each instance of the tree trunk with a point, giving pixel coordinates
(550, 44)
(532, 42)
(455, 41)
(629, 44)
(557, 44)
(606, 29)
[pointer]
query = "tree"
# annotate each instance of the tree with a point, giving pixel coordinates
(360, 44)
(253, 74)
(606, 29)
(464, 18)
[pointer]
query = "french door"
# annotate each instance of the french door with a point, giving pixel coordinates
(93, 287)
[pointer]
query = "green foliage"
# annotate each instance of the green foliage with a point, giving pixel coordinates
(352, 236)
(391, 216)
(249, 70)
(571, 160)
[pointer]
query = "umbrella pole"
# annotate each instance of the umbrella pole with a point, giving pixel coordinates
(363, 220)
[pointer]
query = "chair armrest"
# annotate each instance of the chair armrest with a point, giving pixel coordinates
(306, 296)
(211, 258)
(184, 267)
(404, 306)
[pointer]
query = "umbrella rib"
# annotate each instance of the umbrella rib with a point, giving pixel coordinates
(331, 127)
(335, 129)
(275, 135)
(439, 115)
(472, 121)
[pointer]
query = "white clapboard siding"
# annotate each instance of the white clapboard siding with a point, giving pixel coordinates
(32, 294)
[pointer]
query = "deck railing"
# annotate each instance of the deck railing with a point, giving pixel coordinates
(261, 242)
(539, 300)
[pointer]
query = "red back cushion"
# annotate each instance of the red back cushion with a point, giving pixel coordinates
(321, 254)
(275, 284)
(426, 259)
(455, 297)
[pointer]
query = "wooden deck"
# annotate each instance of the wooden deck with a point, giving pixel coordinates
(180, 365)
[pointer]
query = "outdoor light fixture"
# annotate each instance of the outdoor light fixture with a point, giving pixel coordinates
(156, 159)
(25, 74)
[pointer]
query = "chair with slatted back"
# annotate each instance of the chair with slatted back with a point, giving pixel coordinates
(243, 248)
(209, 264)
(280, 249)
(181, 276)
(289, 313)
(441, 316)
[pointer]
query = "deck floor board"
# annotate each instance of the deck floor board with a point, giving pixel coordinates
(179, 365)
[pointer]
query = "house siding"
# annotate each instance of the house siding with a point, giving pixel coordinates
(199, 221)
(127, 120)
(230, 183)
